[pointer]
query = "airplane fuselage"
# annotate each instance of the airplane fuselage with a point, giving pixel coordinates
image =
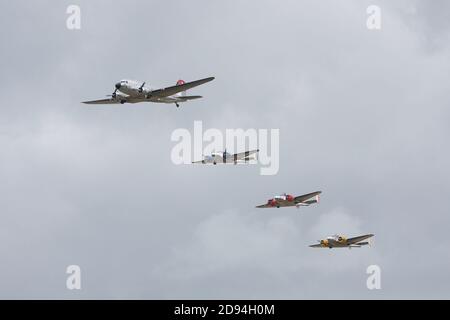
(337, 241)
(138, 90)
(227, 158)
(286, 200)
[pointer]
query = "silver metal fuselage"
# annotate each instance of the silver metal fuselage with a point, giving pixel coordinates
(133, 89)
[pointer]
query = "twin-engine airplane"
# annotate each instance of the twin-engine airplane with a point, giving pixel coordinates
(227, 158)
(337, 241)
(287, 200)
(132, 91)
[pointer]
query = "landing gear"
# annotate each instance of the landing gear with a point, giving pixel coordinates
(122, 101)
(215, 163)
(176, 103)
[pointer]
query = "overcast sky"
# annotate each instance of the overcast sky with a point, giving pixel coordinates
(363, 116)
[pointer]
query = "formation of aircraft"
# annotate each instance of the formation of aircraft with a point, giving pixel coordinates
(287, 200)
(132, 91)
(227, 158)
(338, 241)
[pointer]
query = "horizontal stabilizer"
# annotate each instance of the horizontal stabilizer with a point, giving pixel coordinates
(103, 101)
(190, 97)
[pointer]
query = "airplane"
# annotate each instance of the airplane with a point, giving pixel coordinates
(287, 200)
(226, 158)
(338, 241)
(132, 91)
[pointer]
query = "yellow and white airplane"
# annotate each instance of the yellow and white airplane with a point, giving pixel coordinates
(338, 241)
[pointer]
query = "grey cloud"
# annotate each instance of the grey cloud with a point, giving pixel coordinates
(362, 116)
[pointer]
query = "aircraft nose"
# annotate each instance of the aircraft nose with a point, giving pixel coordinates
(118, 85)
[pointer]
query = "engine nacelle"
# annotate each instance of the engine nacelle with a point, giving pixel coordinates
(119, 95)
(341, 239)
(289, 197)
(272, 202)
(324, 243)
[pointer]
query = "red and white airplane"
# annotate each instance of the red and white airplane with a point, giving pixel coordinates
(287, 200)
(132, 91)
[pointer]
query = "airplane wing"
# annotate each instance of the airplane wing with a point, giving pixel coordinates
(306, 196)
(355, 240)
(102, 101)
(115, 101)
(170, 91)
(243, 155)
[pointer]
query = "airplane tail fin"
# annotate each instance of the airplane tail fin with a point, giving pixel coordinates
(183, 93)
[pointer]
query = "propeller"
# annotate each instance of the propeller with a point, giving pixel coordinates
(113, 95)
(141, 88)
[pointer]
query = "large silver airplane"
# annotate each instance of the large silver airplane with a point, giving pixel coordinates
(132, 91)
(338, 241)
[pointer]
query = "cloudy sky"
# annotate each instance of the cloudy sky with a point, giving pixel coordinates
(363, 116)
